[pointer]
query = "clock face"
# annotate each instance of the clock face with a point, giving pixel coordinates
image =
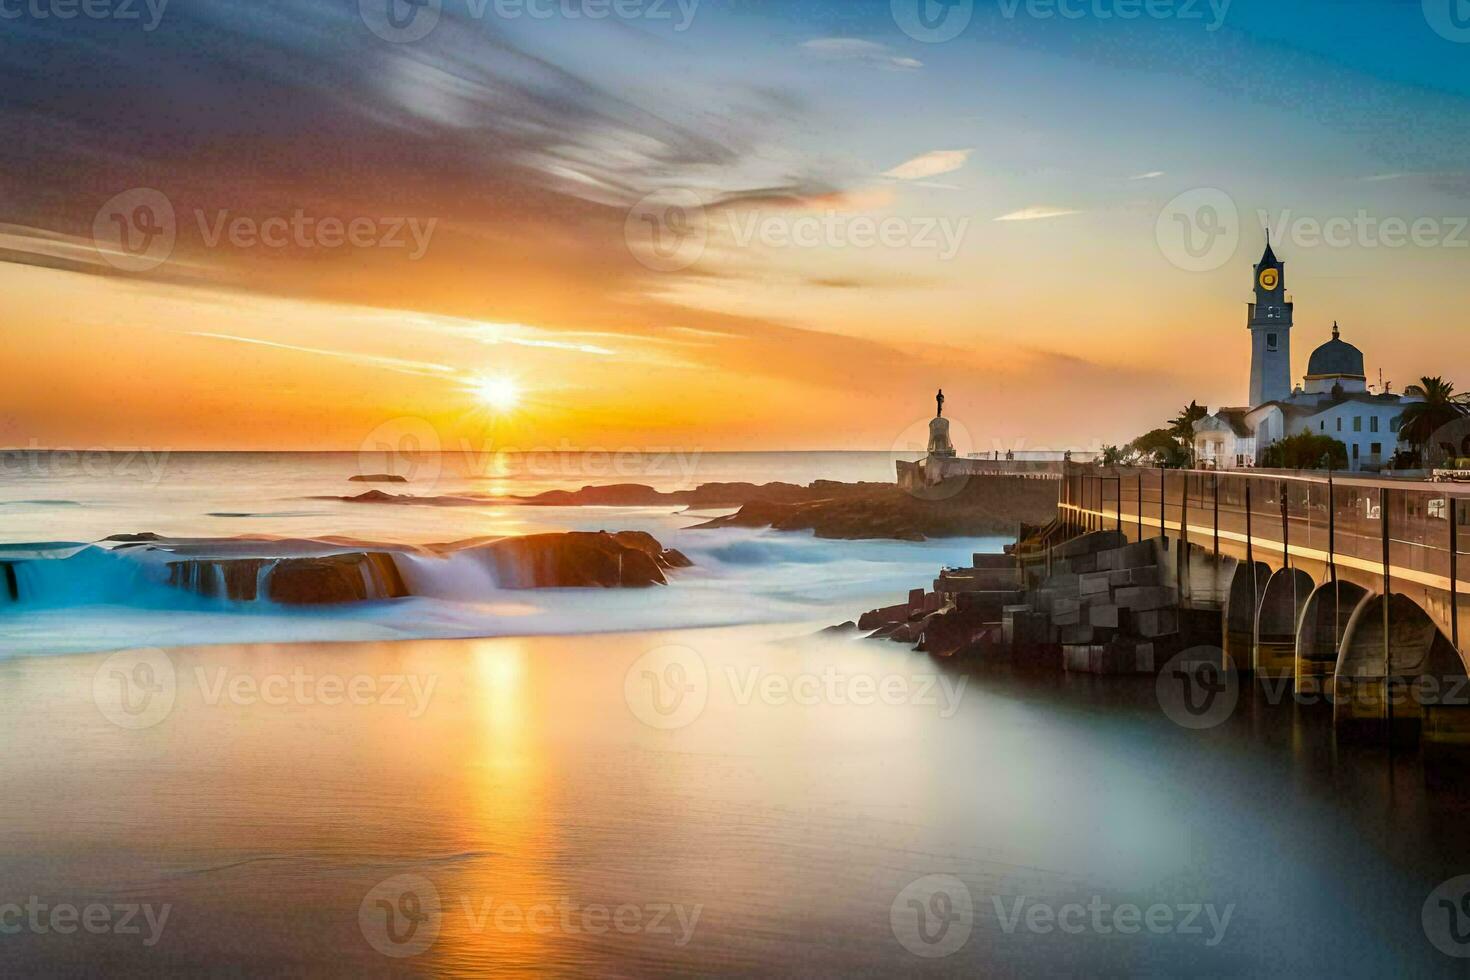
(1270, 279)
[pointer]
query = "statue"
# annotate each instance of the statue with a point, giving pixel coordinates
(939, 444)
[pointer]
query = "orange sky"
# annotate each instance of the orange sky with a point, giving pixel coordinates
(1023, 183)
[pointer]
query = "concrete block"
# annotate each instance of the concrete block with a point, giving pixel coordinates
(1148, 575)
(1135, 555)
(1094, 582)
(1144, 659)
(1066, 583)
(1078, 634)
(1156, 622)
(1077, 659)
(916, 601)
(1065, 619)
(993, 561)
(1062, 606)
(1083, 564)
(1104, 616)
(1143, 597)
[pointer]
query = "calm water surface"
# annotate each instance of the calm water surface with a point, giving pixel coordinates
(664, 793)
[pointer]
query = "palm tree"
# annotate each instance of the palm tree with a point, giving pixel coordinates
(1422, 419)
(1182, 427)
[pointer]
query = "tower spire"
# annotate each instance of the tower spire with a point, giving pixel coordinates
(1334, 330)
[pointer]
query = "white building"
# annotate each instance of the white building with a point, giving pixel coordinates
(1333, 400)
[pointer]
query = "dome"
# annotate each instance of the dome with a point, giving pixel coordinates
(1336, 357)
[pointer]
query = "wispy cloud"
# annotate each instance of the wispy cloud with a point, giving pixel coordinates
(423, 368)
(1037, 213)
(930, 164)
(1147, 176)
(856, 49)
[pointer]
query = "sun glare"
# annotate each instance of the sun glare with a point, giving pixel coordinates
(501, 394)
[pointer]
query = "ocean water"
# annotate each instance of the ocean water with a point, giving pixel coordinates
(665, 782)
(82, 595)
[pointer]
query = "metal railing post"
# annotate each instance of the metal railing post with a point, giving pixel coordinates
(1163, 500)
(1140, 505)
(1215, 479)
(1387, 593)
(1454, 509)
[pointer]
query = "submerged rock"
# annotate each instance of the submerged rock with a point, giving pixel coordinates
(306, 581)
(323, 572)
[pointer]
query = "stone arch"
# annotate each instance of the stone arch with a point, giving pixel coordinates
(1240, 614)
(1423, 666)
(1285, 595)
(1323, 624)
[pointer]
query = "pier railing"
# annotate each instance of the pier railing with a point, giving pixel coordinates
(1389, 535)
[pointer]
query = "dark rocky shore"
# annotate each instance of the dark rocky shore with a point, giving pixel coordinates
(995, 505)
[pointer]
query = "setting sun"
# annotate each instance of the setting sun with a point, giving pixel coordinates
(501, 394)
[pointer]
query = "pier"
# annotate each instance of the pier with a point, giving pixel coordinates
(1346, 588)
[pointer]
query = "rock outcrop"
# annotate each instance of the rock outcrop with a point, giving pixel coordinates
(338, 570)
(995, 505)
(377, 478)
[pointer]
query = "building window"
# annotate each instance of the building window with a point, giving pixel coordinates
(1355, 450)
(1270, 341)
(1322, 425)
(1373, 423)
(1339, 423)
(1376, 449)
(1240, 459)
(1393, 426)
(1357, 423)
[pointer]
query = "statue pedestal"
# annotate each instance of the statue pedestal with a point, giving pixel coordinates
(939, 444)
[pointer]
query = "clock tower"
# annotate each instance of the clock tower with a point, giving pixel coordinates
(1270, 326)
